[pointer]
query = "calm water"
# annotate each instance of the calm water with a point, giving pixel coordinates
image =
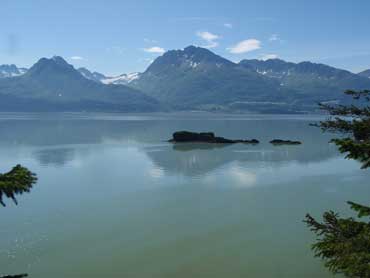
(114, 199)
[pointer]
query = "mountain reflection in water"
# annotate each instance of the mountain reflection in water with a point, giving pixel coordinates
(57, 140)
(209, 210)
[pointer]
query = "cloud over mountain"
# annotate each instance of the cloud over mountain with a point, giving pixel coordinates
(209, 38)
(245, 46)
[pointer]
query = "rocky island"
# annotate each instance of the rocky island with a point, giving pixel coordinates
(205, 137)
(285, 142)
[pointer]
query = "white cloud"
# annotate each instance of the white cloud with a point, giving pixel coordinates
(155, 49)
(228, 25)
(209, 38)
(245, 46)
(79, 58)
(269, 56)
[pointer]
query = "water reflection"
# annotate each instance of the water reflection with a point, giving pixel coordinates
(59, 140)
(55, 130)
(198, 159)
(185, 147)
(181, 201)
(56, 157)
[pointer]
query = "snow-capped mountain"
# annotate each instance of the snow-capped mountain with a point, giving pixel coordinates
(122, 79)
(11, 71)
(52, 84)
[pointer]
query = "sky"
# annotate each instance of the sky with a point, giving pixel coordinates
(119, 36)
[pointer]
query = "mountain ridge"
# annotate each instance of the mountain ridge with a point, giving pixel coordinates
(365, 73)
(53, 84)
(186, 79)
(314, 81)
(196, 78)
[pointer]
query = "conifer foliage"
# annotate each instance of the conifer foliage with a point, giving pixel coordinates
(344, 243)
(15, 182)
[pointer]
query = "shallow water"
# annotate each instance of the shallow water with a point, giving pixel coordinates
(114, 199)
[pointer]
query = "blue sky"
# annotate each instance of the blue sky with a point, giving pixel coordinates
(115, 37)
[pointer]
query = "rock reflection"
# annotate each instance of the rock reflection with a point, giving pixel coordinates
(199, 159)
(54, 157)
(185, 147)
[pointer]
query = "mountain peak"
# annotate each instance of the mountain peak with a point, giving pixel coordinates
(191, 47)
(59, 60)
(50, 66)
(194, 49)
(53, 60)
(189, 58)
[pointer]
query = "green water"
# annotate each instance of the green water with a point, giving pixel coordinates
(114, 199)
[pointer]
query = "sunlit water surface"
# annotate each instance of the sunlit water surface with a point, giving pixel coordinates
(114, 199)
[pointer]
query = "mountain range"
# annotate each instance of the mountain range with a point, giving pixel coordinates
(54, 85)
(190, 79)
(196, 78)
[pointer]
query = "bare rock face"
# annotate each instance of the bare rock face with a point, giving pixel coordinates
(205, 137)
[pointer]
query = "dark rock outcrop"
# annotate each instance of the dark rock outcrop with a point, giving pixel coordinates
(285, 142)
(205, 137)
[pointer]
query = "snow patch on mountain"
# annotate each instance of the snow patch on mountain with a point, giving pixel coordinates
(122, 79)
(11, 71)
